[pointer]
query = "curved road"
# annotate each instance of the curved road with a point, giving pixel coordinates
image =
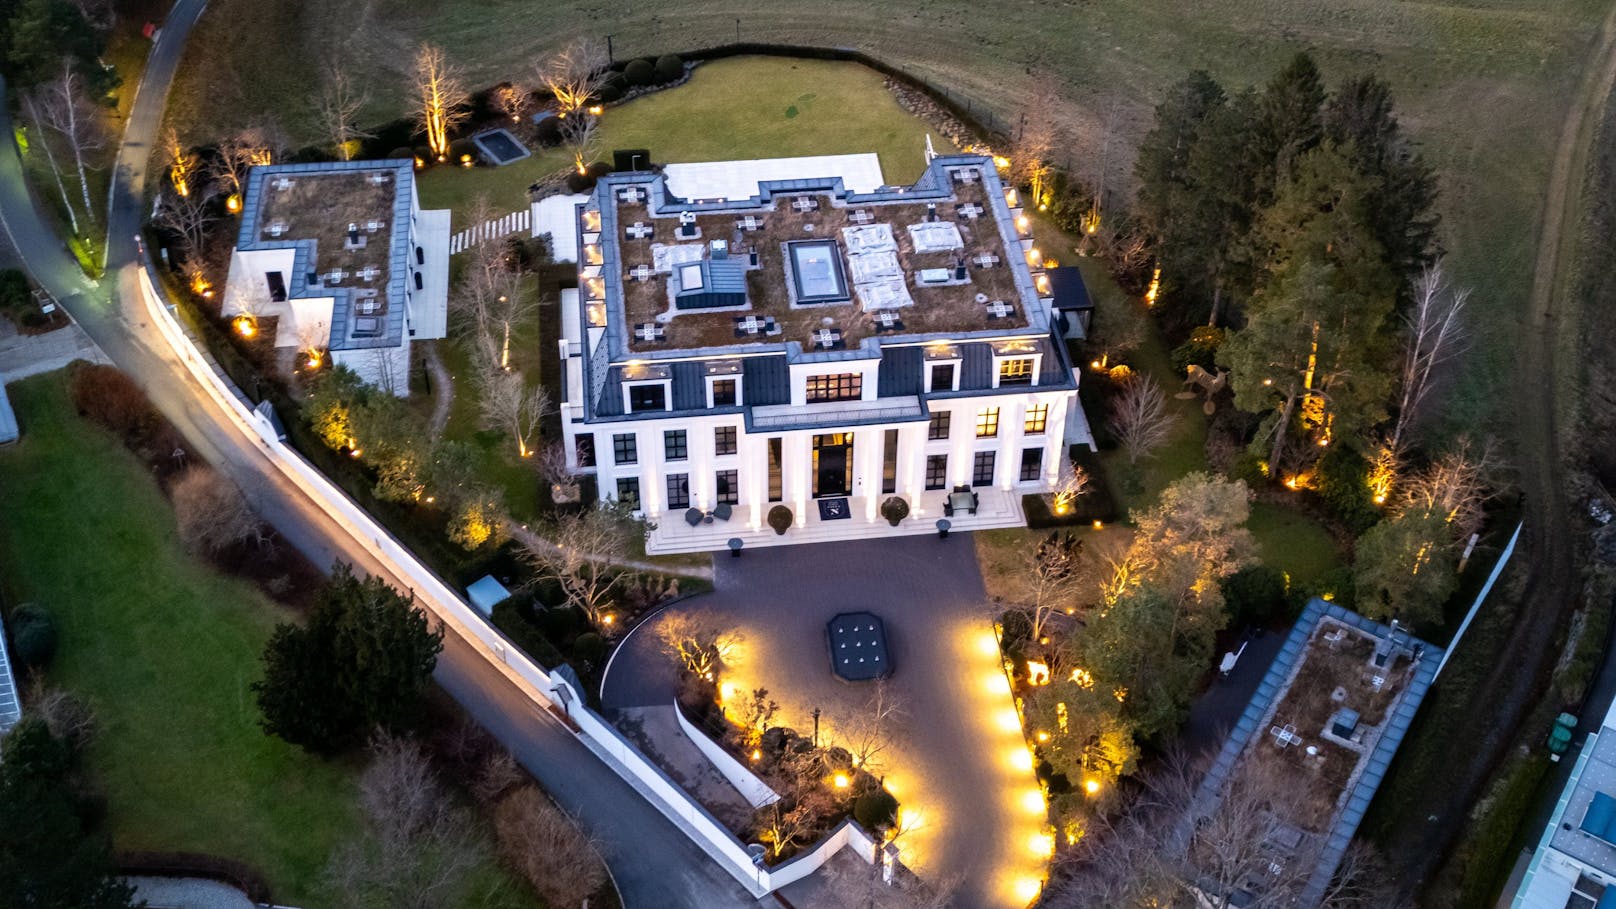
(654, 865)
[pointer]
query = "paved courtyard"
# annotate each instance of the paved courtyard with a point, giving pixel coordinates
(957, 762)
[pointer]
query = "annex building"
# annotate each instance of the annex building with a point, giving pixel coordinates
(339, 257)
(794, 332)
(1574, 864)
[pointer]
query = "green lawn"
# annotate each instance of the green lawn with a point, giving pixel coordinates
(164, 648)
(1290, 541)
(744, 107)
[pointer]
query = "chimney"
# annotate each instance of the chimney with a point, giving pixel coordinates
(720, 249)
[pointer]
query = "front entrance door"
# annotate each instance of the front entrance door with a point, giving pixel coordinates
(833, 464)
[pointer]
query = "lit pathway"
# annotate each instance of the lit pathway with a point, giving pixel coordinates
(958, 764)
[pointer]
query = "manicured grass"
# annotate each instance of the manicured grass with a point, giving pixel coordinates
(164, 648)
(1292, 542)
(745, 107)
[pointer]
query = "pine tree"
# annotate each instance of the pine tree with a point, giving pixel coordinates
(1165, 153)
(1316, 348)
(1360, 119)
(363, 660)
(1289, 123)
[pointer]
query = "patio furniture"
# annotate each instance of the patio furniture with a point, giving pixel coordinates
(693, 516)
(961, 499)
(942, 528)
(723, 511)
(735, 544)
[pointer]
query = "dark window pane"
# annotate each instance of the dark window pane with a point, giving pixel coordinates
(729, 490)
(724, 440)
(889, 462)
(937, 472)
(586, 451)
(939, 425)
(982, 469)
(647, 397)
(678, 490)
(673, 445)
(776, 475)
(723, 392)
(624, 449)
(942, 377)
(1032, 462)
(628, 491)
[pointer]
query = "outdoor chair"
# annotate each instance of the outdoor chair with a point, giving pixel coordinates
(693, 516)
(723, 511)
(961, 499)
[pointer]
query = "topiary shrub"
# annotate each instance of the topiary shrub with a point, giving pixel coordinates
(609, 93)
(399, 154)
(780, 519)
(598, 169)
(895, 509)
(462, 150)
(547, 132)
(669, 68)
(1255, 595)
(33, 635)
(589, 647)
(424, 155)
(640, 73)
(875, 810)
(579, 183)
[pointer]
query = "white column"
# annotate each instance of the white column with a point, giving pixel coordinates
(1055, 436)
(699, 442)
(798, 461)
(1012, 424)
(653, 490)
(964, 445)
(754, 478)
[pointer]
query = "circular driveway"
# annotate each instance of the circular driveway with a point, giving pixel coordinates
(956, 761)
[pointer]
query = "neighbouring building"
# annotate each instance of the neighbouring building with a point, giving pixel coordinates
(1320, 731)
(338, 257)
(1574, 865)
(794, 332)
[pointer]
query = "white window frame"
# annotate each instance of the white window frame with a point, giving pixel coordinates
(1037, 359)
(667, 394)
(739, 391)
(956, 362)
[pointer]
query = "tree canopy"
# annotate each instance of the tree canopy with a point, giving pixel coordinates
(49, 856)
(362, 661)
(40, 33)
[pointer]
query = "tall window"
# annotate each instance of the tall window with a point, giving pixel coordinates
(642, 398)
(889, 462)
(585, 449)
(628, 491)
(942, 377)
(1017, 371)
(776, 475)
(678, 490)
(843, 386)
(1037, 416)
(937, 471)
(1032, 463)
(724, 440)
(982, 469)
(624, 449)
(939, 425)
(987, 423)
(729, 489)
(723, 392)
(674, 447)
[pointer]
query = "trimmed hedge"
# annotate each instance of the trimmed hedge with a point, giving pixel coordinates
(669, 68)
(33, 635)
(875, 810)
(640, 73)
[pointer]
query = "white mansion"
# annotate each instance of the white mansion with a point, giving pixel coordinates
(342, 258)
(794, 333)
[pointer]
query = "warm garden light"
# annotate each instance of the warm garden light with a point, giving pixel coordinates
(1091, 786)
(1032, 802)
(245, 326)
(1041, 845)
(1037, 672)
(232, 203)
(1021, 759)
(1028, 888)
(840, 781)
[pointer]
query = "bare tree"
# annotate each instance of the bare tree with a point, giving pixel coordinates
(574, 74)
(489, 301)
(50, 156)
(71, 115)
(544, 845)
(1434, 333)
(553, 470)
(188, 216)
(575, 556)
(863, 887)
(1036, 141)
(1048, 579)
(419, 848)
(183, 165)
(1454, 487)
(578, 134)
(511, 100)
(699, 640)
(212, 514)
(241, 151)
(340, 102)
(870, 731)
(1364, 880)
(1139, 417)
(68, 718)
(1073, 482)
(510, 405)
(442, 101)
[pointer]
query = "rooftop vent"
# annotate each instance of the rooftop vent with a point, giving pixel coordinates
(1344, 722)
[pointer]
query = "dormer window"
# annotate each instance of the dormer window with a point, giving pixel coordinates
(646, 396)
(943, 376)
(1015, 371)
(1016, 363)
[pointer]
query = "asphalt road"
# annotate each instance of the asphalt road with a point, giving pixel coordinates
(653, 864)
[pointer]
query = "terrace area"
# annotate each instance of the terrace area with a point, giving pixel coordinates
(821, 273)
(348, 215)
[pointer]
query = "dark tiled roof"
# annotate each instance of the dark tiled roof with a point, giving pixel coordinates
(765, 380)
(1067, 289)
(900, 372)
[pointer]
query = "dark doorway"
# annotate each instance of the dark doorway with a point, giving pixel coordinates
(833, 464)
